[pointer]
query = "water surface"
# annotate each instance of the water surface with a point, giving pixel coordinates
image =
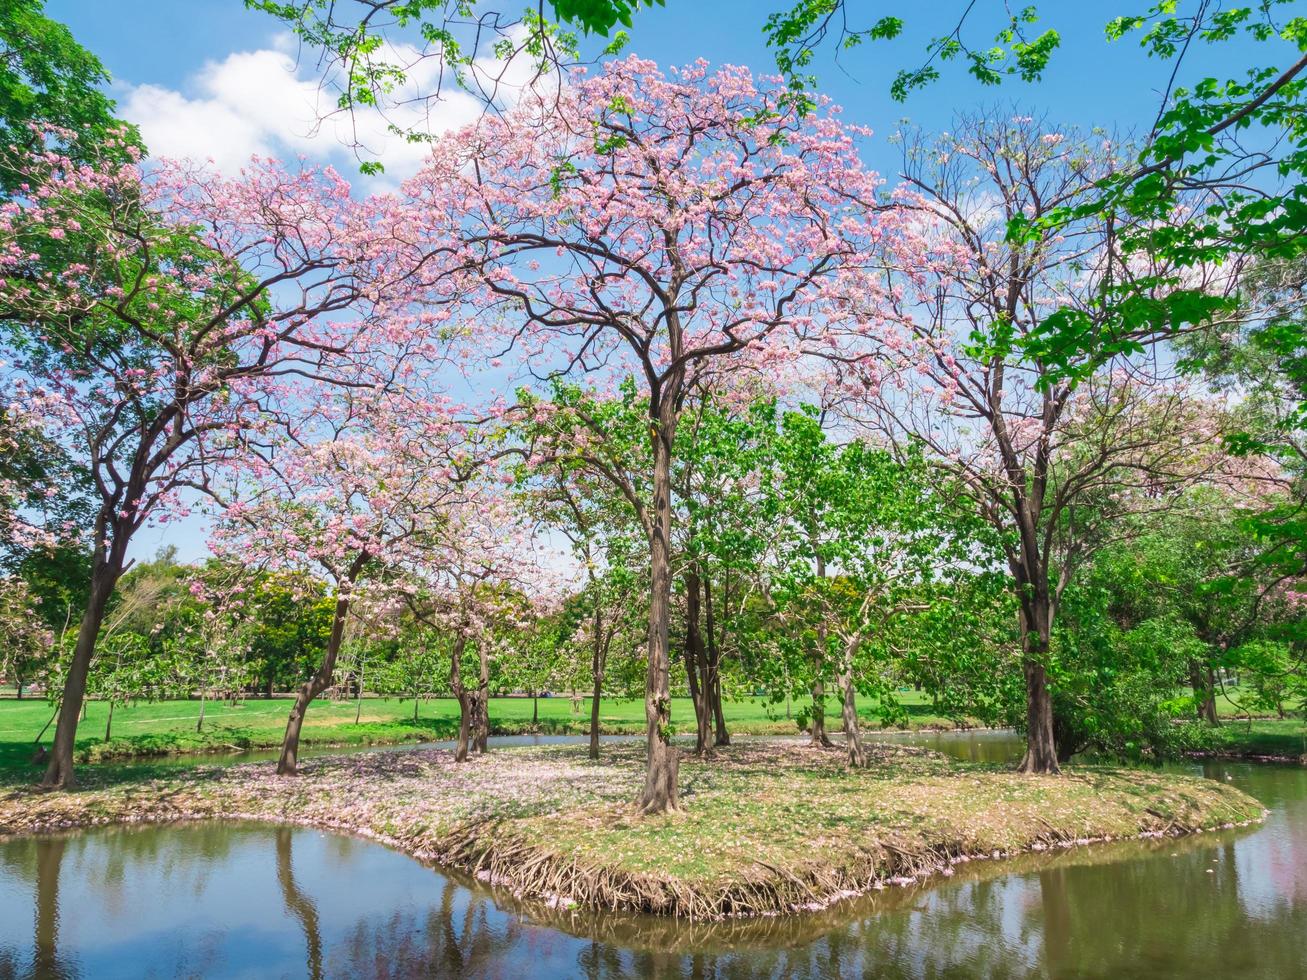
(251, 900)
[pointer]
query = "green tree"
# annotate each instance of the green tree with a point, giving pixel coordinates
(47, 79)
(293, 616)
(858, 539)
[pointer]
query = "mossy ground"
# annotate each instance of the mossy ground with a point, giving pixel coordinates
(770, 826)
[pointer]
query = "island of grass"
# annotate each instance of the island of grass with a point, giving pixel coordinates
(770, 826)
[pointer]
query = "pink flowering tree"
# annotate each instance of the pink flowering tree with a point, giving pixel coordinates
(679, 229)
(1052, 455)
(153, 315)
(487, 583)
(353, 490)
(36, 477)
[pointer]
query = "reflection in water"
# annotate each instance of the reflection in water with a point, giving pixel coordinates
(246, 900)
(45, 961)
(299, 904)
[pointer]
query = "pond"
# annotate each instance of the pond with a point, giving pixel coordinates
(250, 900)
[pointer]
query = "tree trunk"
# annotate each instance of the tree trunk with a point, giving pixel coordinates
(1041, 747)
(1203, 681)
(358, 701)
(1036, 628)
(310, 689)
(466, 709)
(464, 699)
(695, 667)
(820, 739)
(535, 709)
(849, 715)
(662, 763)
(720, 734)
(1209, 704)
(199, 724)
(415, 705)
(59, 772)
(108, 724)
(594, 721)
(597, 664)
(481, 720)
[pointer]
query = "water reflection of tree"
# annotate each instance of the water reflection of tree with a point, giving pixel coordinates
(40, 861)
(298, 904)
(187, 853)
(46, 961)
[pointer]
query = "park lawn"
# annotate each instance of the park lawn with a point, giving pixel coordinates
(769, 826)
(154, 729)
(1279, 738)
(1228, 706)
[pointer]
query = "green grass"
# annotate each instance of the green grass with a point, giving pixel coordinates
(1228, 703)
(168, 727)
(1284, 738)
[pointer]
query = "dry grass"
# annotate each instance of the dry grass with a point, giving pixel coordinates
(771, 826)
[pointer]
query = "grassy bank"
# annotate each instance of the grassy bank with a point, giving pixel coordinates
(1266, 738)
(168, 727)
(769, 827)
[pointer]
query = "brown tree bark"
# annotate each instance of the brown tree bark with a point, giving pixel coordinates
(598, 660)
(59, 771)
(481, 717)
(662, 764)
(721, 736)
(819, 739)
(1041, 747)
(696, 666)
(1036, 623)
(1202, 679)
(287, 763)
(464, 697)
(849, 715)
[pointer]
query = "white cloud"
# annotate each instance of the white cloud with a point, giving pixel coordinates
(262, 103)
(249, 103)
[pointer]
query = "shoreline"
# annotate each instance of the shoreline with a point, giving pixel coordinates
(767, 830)
(216, 750)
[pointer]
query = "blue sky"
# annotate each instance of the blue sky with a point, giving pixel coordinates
(206, 67)
(209, 78)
